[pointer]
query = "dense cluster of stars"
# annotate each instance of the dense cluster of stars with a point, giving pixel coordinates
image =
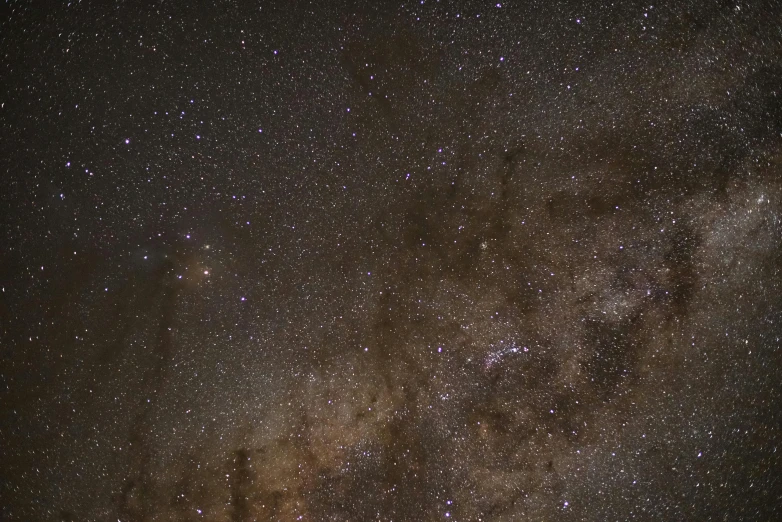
(364, 261)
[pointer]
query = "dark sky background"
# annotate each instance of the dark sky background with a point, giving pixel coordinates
(401, 261)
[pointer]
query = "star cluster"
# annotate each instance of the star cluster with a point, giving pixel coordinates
(373, 261)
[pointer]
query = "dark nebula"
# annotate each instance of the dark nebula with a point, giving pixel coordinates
(334, 261)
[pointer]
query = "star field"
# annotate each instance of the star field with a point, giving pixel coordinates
(390, 261)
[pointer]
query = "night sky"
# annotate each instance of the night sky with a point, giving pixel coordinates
(407, 261)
